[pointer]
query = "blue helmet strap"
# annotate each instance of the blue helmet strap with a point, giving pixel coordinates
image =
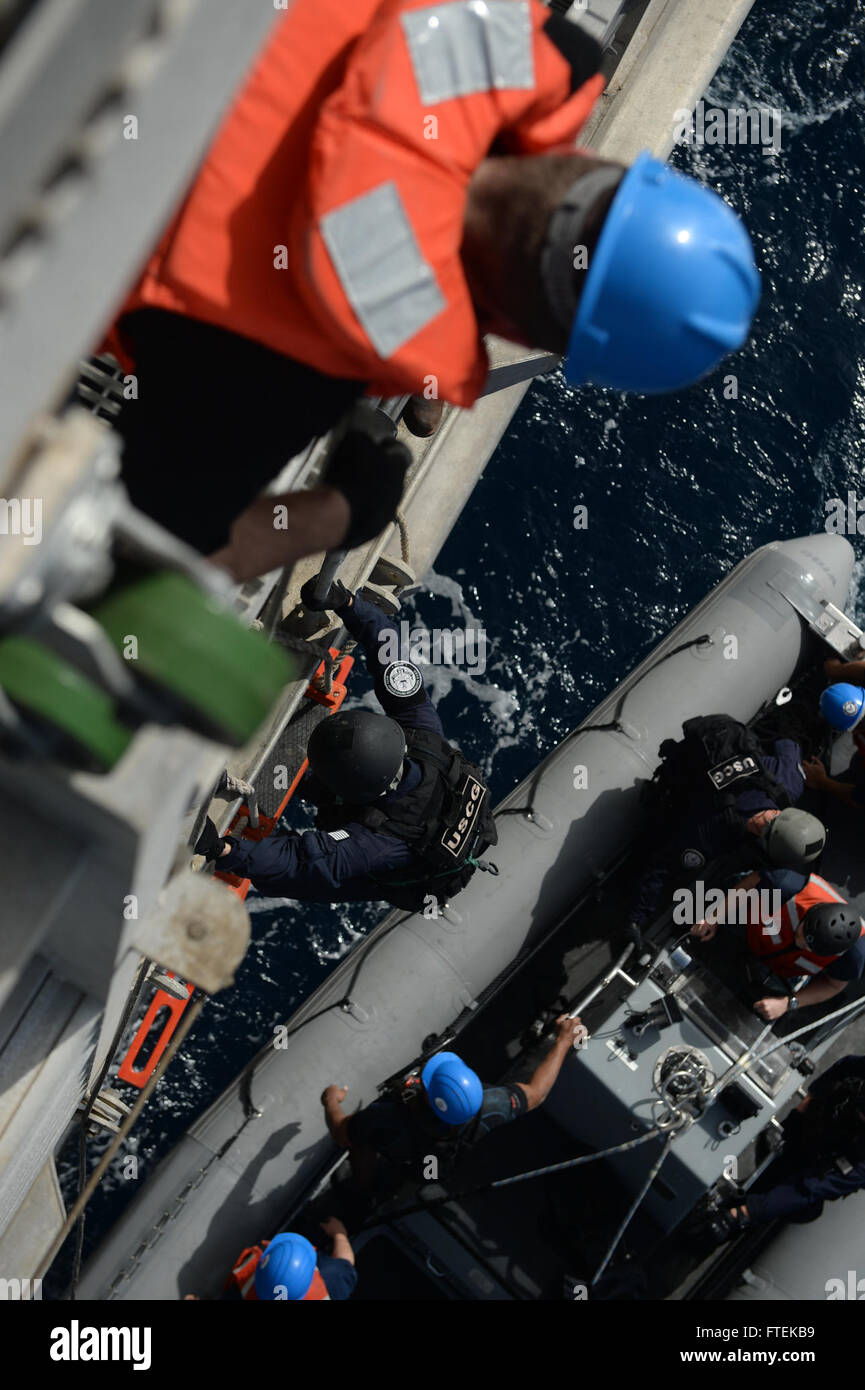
(564, 234)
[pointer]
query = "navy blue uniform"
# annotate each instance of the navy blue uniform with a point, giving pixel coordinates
(805, 1184)
(341, 865)
(340, 1276)
(705, 833)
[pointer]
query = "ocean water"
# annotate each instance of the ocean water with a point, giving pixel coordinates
(678, 490)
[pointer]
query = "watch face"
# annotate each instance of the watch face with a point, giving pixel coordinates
(401, 678)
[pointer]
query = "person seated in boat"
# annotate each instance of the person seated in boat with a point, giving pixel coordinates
(289, 1267)
(796, 927)
(842, 705)
(823, 1156)
(729, 808)
(402, 815)
(444, 1111)
(390, 184)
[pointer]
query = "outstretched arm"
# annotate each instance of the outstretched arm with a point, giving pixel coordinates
(341, 1244)
(823, 988)
(569, 1032)
(332, 1098)
(816, 776)
(837, 670)
(380, 638)
(313, 865)
(728, 911)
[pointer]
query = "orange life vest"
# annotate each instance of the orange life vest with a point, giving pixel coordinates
(243, 1275)
(326, 219)
(777, 935)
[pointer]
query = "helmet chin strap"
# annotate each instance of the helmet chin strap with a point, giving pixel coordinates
(565, 234)
(396, 781)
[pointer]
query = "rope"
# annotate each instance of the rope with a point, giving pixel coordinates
(79, 1235)
(629, 1214)
(509, 1182)
(248, 1074)
(303, 647)
(404, 539)
(791, 1037)
(752, 1055)
(190, 1016)
(90, 1100)
(131, 999)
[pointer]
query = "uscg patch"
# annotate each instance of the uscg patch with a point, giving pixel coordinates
(693, 859)
(732, 771)
(455, 835)
(403, 679)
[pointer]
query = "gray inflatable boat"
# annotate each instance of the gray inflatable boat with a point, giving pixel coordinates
(247, 1166)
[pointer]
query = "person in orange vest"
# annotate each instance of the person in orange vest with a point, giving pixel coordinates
(289, 1268)
(816, 935)
(395, 179)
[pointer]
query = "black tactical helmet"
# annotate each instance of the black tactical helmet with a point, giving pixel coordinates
(357, 754)
(830, 929)
(793, 839)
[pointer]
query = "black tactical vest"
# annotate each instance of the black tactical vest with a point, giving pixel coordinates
(447, 820)
(715, 762)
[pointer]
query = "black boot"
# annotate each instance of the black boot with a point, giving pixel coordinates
(422, 417)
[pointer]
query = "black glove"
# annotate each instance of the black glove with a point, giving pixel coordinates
(371, 476)
(210, 842)
(337, 597)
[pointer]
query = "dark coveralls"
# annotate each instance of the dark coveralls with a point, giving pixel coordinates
(795, 1187)
(704, 834)
(341, 865)
(405, 1133)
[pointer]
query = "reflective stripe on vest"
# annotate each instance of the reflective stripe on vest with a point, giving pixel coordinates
(382, 270)
(810, 967)
(326, 220)
(463, 47)
(243, 1273)
(827, 894)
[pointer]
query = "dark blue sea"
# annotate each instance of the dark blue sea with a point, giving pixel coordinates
(678, 490)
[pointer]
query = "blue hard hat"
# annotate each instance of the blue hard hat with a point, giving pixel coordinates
(671, 287)
(286, 1268)
(842, 706)
(454, 1091)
